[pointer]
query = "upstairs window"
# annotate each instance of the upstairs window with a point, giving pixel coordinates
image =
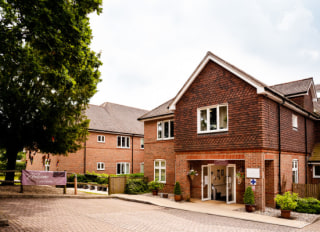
(101, 139)
(100, 166)
(166, 129)
(142, 143)
(213, 119)
(123, 142)
(294, 122)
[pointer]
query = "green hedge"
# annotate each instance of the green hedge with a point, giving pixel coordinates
(135, 186)
(308, 205)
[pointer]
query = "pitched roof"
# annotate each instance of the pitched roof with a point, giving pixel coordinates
(315, 156)
(110, 117)
(160, 111)
(295, 87)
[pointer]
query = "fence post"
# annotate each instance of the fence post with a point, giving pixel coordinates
(21, 185)
(75, 184)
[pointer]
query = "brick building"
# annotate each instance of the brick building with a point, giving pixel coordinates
(115, 144)
(234, 131)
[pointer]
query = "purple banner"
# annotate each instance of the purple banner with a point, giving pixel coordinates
(43, 178)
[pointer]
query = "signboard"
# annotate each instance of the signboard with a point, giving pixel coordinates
(253, 172)
(221, 162)
(43, 178)
(253, 181)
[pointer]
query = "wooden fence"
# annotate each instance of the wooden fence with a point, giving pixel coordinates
(307, 190)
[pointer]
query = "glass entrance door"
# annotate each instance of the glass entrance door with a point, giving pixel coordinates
(231, 184)
(205, 189)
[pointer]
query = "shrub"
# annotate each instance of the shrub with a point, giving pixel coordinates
(308, 205)
(103, 180)
(135, 186)
(177, 189)
(287, 201)
(155, 185)
(248, 197)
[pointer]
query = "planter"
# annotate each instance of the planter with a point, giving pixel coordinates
(285, 213)
(250, 208)
(154, 192)
(164, 195)
(191, 177)
(177, 197)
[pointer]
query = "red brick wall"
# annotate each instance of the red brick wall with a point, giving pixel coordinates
(215, 85)
(95, 152)
(158, 149)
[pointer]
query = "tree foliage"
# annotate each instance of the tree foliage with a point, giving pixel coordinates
(48, 73)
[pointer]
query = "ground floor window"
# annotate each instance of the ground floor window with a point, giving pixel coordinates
(316, 171)
(123, 168)
(295, 175)
(100, 166)
(47, 165)
(160, 170)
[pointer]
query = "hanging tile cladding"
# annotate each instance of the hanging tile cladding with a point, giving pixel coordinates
(213, 86)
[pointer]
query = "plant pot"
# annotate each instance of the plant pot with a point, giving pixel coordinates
(164, 195)
(250, 208)
(177, 197)
(285, 213)
(154, 192)
(191, 177)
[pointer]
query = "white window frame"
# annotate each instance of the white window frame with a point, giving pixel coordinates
(47, 164)
(294, 122)
(161, 124)
(101, 139)
(123, 166)
(314, 170)
(100, 166)
(141, 143)
(125, 144)
(208, 108)
(142, 167)
(160, 168)
(295, 171)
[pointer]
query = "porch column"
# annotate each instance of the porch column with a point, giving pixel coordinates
(257, 161)
(182, 176)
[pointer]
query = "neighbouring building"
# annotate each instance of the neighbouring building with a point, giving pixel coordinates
(115, 144)
(235, 131)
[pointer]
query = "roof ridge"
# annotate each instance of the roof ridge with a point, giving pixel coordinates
(290, 82)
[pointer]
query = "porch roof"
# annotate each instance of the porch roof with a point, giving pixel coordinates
(315, 156)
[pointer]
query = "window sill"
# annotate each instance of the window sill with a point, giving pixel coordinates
(212, 132)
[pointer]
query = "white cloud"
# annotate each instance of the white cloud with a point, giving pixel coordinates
(150, 48)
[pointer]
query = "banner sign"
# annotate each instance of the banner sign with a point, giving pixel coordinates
(221, 162)
(43, 178)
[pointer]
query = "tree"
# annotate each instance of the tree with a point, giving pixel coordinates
(48, 73)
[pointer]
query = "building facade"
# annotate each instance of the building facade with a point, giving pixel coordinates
(235, 132)
(115, 144)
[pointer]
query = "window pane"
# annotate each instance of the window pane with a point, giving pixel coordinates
(98, 166)
(127, 168)
(118, 168)
(163, 175)
(123, 141)
(159, 130)
(156, 174)
(156, 164)
(128, 142)
(163, 164)
(213, 119)
(223, 117)
(166, 129)
(119, 141)
(203, 120)
(317, 170)
(171, 129)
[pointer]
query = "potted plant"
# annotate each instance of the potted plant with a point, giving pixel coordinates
(177, 192)
(192, 173)
(155, 186)
(287, 202)
(249, 200)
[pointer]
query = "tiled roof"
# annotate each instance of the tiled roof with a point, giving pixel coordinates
(315, 156)
(294, 87)
(162, 110)
(115, 118)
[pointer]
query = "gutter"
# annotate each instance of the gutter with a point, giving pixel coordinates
(115, 132)
(132, 154)
(85, 157)
(279, 144)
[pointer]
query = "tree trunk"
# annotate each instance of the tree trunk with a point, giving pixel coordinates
(11, 165)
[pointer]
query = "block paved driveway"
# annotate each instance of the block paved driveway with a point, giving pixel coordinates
(63, 214)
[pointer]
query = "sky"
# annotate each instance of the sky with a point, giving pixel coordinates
(149, 48)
